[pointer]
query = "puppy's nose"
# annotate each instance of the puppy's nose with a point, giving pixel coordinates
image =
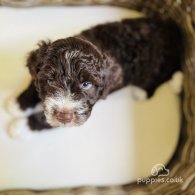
(64, 117)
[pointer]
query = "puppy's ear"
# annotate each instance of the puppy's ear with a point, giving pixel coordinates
(36, 57)
(111, 76)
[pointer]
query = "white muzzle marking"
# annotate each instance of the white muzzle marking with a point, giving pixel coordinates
(60, 102)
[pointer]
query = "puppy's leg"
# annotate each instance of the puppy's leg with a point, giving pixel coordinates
(24, 103)
(176, 82)
(37, 122)
(23, 127)
(147, 89)
(138, 93)
(19, 129)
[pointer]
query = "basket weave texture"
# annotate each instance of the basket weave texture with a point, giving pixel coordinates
(183, 161)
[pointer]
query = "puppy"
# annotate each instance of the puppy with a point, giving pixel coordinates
(70, 75)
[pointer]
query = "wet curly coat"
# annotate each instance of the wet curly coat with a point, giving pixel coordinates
(70, 75)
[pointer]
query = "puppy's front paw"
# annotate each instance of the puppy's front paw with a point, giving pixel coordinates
(138, 93)
(13, 108)
(19, 129)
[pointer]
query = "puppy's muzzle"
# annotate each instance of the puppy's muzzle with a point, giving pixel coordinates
(64, 117)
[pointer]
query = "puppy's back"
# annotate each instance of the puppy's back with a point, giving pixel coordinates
(148, 49)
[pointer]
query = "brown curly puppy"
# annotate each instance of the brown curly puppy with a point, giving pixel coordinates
(70, 75)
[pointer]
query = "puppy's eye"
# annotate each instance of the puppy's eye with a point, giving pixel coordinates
(50, 81)
(86, 85)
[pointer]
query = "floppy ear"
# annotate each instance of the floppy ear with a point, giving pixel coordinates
(111, 76)
(35, 58)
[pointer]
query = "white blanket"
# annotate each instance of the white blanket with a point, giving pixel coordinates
(121, 141)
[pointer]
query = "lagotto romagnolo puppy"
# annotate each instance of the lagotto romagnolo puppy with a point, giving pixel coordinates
(70, 75)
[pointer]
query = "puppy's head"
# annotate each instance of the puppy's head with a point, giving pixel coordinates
(70, 76)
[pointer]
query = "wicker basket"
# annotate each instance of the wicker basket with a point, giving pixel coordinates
(183, 161)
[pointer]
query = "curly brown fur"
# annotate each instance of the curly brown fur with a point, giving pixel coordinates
(70, 75)
(149, 50)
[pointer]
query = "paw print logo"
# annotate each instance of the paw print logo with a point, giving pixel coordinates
(159, 168)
